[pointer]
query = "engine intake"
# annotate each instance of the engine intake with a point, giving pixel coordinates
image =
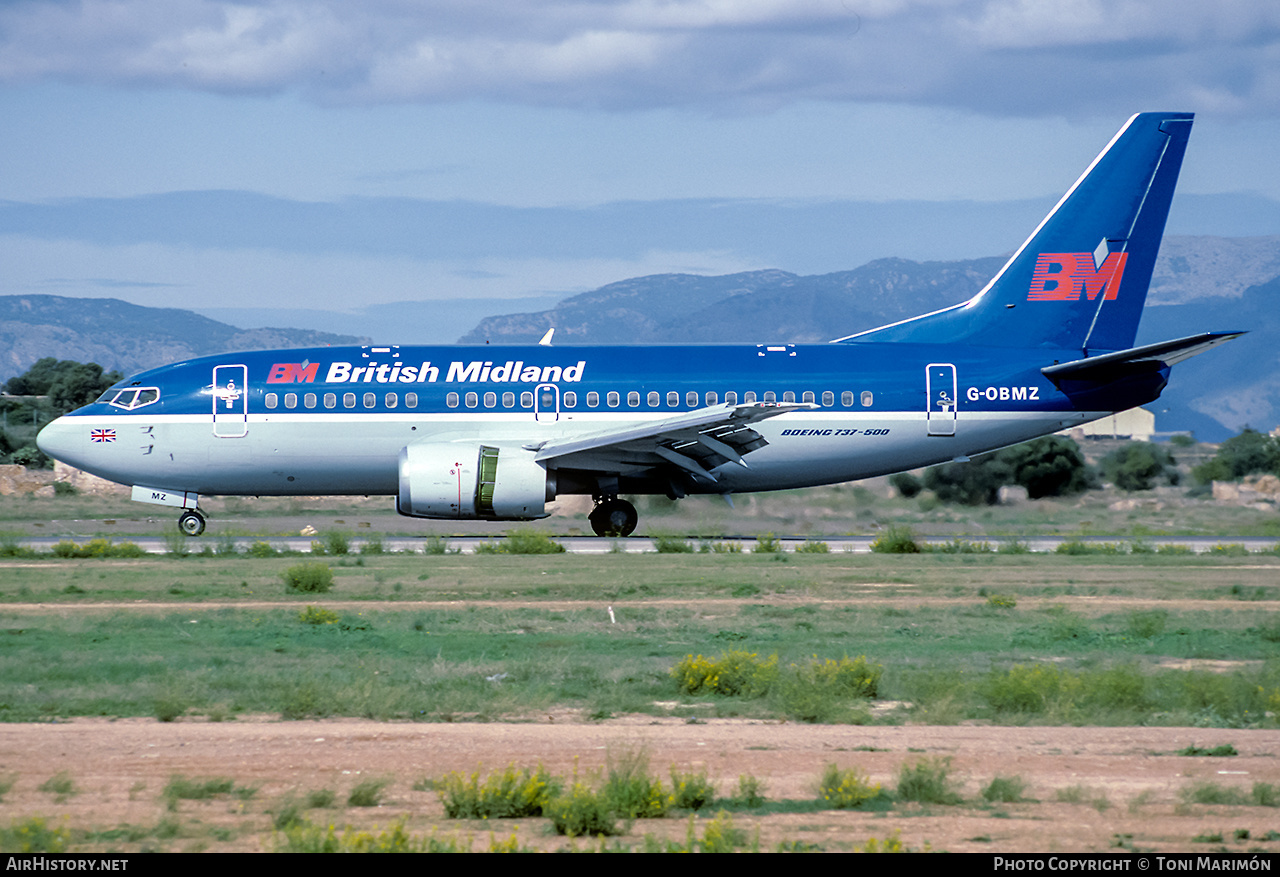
(454, 480)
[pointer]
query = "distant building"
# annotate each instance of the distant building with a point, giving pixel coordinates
(1137, 424)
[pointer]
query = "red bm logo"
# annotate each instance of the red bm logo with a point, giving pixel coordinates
(1064, 276)
(293, 373)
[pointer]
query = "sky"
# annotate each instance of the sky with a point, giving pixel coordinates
(327, 155)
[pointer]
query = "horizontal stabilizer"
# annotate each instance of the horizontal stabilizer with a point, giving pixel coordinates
(1110, 366)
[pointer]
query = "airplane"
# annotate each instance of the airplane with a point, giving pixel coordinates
(496, 433)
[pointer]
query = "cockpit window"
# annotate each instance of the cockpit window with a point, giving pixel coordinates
(131, 398)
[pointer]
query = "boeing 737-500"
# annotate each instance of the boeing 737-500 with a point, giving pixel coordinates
(496, 433)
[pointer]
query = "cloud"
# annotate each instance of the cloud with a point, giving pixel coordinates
(1021, 57)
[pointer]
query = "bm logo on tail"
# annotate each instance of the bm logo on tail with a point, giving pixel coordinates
(1064, 276)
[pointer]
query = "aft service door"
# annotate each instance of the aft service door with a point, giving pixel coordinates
(940, 397)
(230, 401)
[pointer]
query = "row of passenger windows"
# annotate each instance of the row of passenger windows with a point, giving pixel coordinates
(570, 399)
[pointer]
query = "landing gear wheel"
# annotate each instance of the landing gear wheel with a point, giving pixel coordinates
(614, 517)
(191, 523)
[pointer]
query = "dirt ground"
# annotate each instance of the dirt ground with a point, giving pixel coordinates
(1091, 789)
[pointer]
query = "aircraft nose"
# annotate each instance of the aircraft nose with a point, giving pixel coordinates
(56, 440)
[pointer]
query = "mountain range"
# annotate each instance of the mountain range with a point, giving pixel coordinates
(1200, 284)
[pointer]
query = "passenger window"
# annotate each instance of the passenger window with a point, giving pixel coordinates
(770, 396)
(593, 399)
(633, 398)
(472, 400)
(691, 399)
(846, 398)
(272, 400)
(348, 400)
(330, 400)
(654, 399)
(526, 399)
(508, 400)
(749, 397)
(673, 399)
(866, 398)
(789, 396)
(370, 400)
(309, 400)
(731, 398)
(392, 400)
(410, 400)
(570, 399)
(451, 400)
(490, 400)
(613, 399)
(713, 398)
(290, 400)
(828, 398)
(807, 397)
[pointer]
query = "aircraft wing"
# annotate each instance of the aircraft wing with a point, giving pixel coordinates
(696, 441)
(1109, 366)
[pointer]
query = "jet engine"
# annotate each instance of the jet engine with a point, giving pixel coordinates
(457, 480)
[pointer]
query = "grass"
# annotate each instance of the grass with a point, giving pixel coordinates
(921, 618)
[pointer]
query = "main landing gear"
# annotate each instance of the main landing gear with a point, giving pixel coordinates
(191, 523)
(613, 517)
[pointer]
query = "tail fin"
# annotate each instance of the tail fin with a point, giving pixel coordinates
(1080, 280)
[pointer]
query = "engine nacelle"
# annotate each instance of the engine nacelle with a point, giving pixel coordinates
(457, 480)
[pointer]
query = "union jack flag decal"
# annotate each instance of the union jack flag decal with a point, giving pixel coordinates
(102, 435)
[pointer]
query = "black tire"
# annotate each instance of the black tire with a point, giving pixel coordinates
(191, 523)
(614, 517)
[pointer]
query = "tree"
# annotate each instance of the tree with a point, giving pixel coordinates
(1048, 466)
(973, 483)
(1245, 454)
(1137, 466)
(67, 383)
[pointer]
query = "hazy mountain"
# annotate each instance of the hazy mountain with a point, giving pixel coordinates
(128, 337)
(1200, 284)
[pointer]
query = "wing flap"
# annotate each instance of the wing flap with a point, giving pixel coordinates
(697, 441)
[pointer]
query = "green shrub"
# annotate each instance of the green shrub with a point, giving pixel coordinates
(437, 545)
(906, 484)
(1004, 790)
(750, 791)
(582, 812)
(1148, 623)
(671, 545)
(628, 789)
(767, 543)
(927, 781)
(367, 793)
(61, 785)
(308, 578)
(848, 789)
(896, 540)
(337, 542)
(1002, 601)
(372, 544)
(1138, 465)
(691, 790)
(811, 547)
(1029, 688)
(505, 794)
(962, 546)
(529, 542)
(261, 549)
(318, 615)
(734, 673)
(33, 835)
(1226, 750)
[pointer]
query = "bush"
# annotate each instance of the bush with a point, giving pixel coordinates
(750, 791)
(581, 812)
(504, 794)
(628, 789)
(308, 578)
(1248, 453)
(907, 485)
(261, 549)
(672, 545)
(849, 789)
(691, 791)
(367, 793)
(896, 540)
(317, 615)
(811, 547)
(928, 782)
(1138, 465)
(529, 542)
(767, 543)
(734, 673)
(1049, 466)
(1004, 790)
(977, 482)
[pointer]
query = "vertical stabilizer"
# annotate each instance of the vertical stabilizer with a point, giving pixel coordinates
(1080, 280)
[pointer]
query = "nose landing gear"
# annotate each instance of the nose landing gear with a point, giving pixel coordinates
(191, 523)
(613, 517)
